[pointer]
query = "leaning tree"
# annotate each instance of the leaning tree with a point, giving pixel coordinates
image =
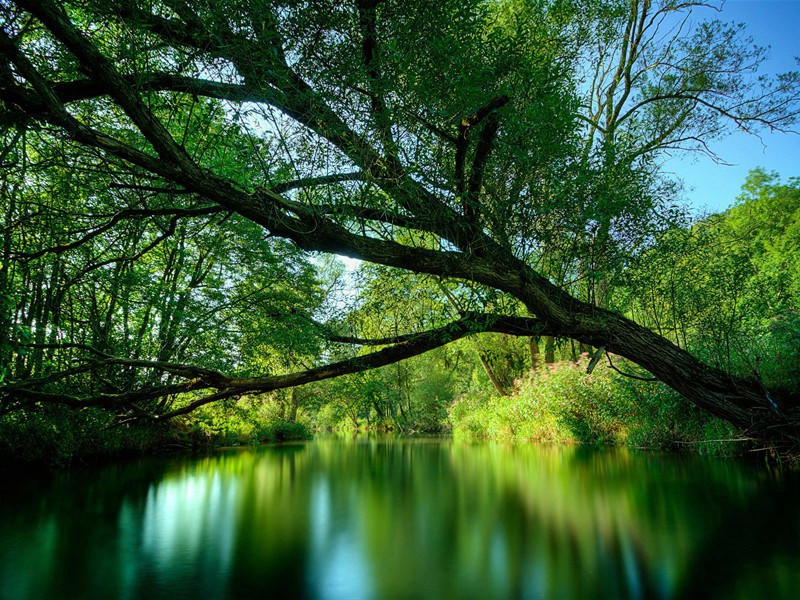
(512, 146)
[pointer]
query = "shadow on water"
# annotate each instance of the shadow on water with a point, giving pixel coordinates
(376, 517)
(753, 550)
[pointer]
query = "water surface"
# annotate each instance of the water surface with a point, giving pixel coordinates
(393, 518)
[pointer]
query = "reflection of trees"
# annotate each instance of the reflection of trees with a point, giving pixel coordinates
(611, 524)
(62, 543)
(753, 550)
(525, 521)
(423, 519)
(162, 528)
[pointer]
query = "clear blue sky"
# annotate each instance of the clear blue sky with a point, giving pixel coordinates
(713, 187)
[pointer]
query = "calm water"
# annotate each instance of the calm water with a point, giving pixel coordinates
(389, 518)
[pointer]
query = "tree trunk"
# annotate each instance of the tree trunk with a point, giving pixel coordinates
(492, 376)
(295, 404)
(535, 355)
(549, 350)
(767, 416)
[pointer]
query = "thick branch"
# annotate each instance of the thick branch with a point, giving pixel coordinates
(462, 141)
(198, 378)
(367, 21)
(56, 20)
(485, 142)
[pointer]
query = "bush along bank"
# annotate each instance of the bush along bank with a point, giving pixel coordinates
(55, 436)
(562, 403)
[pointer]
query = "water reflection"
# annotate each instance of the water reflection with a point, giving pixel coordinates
(388, 518)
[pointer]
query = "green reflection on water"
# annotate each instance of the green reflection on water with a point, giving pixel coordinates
(390, 518)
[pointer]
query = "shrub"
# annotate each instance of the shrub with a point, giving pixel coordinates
(58, 435)
(561, 403)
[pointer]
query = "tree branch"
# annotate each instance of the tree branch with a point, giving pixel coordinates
(199, 378)
(303, 182)
(120, 216)
(56, 20)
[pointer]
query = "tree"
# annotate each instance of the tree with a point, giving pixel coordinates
(725, 287)
(472, 159)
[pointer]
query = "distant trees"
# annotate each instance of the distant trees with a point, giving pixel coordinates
(726, 288)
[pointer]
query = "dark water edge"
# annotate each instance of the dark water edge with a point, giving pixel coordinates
(387, 517)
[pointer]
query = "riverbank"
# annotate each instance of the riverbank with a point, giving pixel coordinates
(54, 437)
(557, 403)
(561, 403)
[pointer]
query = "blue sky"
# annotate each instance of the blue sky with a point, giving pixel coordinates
(713, 187)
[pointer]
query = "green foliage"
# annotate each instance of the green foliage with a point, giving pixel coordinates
(561, 403)
(728, 288)
(723, 288)
(137, 282)
(59, 436)
(541, 123)
(250, 420)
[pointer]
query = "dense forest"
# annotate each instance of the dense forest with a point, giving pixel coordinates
(181, 180)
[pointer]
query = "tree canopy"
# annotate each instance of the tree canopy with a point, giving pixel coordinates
(174, 173)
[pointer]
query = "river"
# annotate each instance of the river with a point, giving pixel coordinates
(384, 517)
